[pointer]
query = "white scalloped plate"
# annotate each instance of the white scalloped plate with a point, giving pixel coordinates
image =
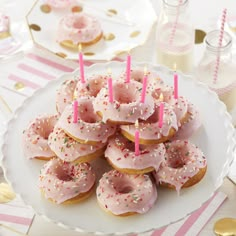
(131, 27)
(215, 138)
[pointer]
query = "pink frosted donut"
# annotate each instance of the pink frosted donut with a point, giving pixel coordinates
(78, 28)
(120, 154)
(69, 150)
(184, 166)
(123, 194)
(149, 130)
(35, 138)
(64, 182)
(89, 129)
(126, 108)
(60, 3)
(180, 105)
(191, 125)
(65, 94)
(91, 87)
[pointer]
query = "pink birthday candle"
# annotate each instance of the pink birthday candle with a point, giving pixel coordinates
(144, 88)
(110, 88)
(81, 64)
(161, 111)
(176, 86)
(75, 111)
(137, 152)
(128, 68)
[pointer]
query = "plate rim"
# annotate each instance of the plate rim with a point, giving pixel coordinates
(222, 109)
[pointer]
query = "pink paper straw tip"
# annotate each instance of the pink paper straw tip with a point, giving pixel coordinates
(75, 111)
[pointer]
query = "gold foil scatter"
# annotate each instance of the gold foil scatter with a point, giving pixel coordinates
(35, 27)
(45, 8)
(6, 193)
(109, 36)
(77, 9)
(19, 86)
(111, 12)
(61, 54)
(4, 35)
(134, 34)
(225, 226)
(199, 36)
(89, 53)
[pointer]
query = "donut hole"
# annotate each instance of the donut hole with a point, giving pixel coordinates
(177, 157)
(62, 174)
(80, 23)
(95, 85)
(123, 189)
(124, 94)
(166, 92)
(86, 113)
(154, 117)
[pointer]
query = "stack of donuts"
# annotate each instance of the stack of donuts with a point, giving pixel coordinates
(88, 126)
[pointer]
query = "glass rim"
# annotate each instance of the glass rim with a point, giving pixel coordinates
(216, 48)
(184, 2)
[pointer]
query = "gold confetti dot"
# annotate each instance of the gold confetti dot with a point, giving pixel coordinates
(61, 54)
(199, 36)
(19, 86)
(45, 8)
(134, 34)
(89, 53)
(77, 9)
(35, 27)
(111, 12)
(109, 36)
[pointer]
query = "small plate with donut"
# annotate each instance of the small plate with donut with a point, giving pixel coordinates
(104, 28)
(214, 138)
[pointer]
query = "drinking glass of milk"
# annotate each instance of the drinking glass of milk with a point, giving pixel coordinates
(175, 36)
(224, 83)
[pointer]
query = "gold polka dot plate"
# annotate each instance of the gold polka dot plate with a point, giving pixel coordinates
(125, 25)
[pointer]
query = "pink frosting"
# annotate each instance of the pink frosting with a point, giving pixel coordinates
(126, 106)
(65, 94)
(67, 148)
(89, 126)
(183, 161)
(150, 130)
(120, 151)
(61, 181)
(4, 23)
(122, 193)
(191, 125)
(35, 137)
(92, 86)
(60, 3)
(79, 28)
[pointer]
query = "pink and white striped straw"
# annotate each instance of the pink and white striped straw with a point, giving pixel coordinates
(221, 36)
(172, 34)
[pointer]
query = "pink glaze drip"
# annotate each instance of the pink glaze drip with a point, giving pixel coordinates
(61, 181)
(126, 106)
(121, 193)
(35, 137)
(78, 28)
(183, 161)
(89, 126)
(4, 23)
(120, 152)
(65, 94)
(150, 130)
(191, 125)
(67, 149)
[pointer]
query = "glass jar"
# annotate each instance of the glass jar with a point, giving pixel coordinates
(175, 36)
(224, 84)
